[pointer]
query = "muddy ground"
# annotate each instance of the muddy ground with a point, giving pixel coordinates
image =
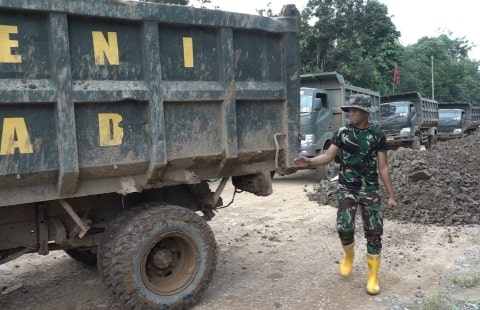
(282, 251)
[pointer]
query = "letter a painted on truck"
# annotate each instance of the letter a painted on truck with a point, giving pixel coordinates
(109, 130)
(15, 137)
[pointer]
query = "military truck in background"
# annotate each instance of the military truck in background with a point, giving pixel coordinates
(321, 96)
(409, 120)
(114, 116)
(457, 119)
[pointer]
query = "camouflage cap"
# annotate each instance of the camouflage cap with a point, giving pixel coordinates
(362, 102)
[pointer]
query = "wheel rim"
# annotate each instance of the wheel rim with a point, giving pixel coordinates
(331, 170)
(170, 264)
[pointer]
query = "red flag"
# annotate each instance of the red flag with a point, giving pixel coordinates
(396, 75)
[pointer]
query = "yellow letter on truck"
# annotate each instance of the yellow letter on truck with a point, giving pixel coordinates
(15, 136)
(188, 52)
(109, 129)
(103, 48)
(6, 45)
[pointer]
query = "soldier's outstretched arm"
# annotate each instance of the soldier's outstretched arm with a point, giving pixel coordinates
(318, 160)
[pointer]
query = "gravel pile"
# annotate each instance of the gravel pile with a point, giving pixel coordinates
(439, 186)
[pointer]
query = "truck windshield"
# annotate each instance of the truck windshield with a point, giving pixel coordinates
(447, 114)
(305, 104)
(391, 109)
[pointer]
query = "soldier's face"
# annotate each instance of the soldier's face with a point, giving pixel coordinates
(357, 116)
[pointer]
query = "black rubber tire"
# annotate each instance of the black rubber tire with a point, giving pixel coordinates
(106, 248)
(415, 143)
(162, 257)
(328, 171)
(432, 140)
(86, 256)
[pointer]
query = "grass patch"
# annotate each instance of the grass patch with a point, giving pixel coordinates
(468, 281)
(434, 302)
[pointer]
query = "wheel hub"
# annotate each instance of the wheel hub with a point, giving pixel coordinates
(162, 259)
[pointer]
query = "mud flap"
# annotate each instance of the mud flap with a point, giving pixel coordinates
(259, 184)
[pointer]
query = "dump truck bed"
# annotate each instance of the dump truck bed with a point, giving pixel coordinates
(120, 96)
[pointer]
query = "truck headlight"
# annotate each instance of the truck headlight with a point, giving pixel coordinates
(405, 131)
(457, 131)
(309, 140)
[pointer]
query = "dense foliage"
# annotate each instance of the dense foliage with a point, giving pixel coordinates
(358, 39)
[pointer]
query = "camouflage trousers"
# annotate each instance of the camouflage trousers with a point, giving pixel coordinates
(370, 206)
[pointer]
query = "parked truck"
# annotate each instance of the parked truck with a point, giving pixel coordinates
(114, 116)
(457, 119)
(409, 120)
(321, 96)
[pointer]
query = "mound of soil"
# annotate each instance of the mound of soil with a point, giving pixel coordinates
(439, 186)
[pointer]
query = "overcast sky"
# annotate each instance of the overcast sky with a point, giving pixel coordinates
(413, 18)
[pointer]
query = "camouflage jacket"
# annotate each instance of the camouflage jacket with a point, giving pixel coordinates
(358, 156)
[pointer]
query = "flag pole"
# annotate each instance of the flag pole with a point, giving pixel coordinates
(433, 84)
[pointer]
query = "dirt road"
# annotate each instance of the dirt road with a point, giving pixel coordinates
(282, 252)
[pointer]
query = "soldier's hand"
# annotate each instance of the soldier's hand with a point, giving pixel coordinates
(301, 161)
(391, 202)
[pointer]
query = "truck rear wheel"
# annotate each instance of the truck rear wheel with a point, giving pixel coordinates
(432, 140)
(163, 257)
(415, 143)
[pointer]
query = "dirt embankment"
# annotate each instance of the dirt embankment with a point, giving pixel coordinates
(440, 186)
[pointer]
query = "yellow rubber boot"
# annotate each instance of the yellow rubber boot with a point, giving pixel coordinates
(346, 265)
(373, 262)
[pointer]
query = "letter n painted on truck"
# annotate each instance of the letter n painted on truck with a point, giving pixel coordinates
(105, 48)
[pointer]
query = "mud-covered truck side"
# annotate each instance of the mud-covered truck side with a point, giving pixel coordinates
(409, 120)
(476, 118)
(321, 96)
(114, 116)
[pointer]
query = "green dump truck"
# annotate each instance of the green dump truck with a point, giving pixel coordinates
(321, 96)
(114, 117)
(457, 119)
(409, 120)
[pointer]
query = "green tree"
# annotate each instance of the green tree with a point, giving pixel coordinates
(354, 37)
(455, 76)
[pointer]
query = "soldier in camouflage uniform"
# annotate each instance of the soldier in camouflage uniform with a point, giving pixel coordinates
(363, 152)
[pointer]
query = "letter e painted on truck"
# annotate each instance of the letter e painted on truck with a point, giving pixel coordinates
(6, 45)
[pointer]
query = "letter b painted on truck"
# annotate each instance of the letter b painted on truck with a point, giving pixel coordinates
(109, 130)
